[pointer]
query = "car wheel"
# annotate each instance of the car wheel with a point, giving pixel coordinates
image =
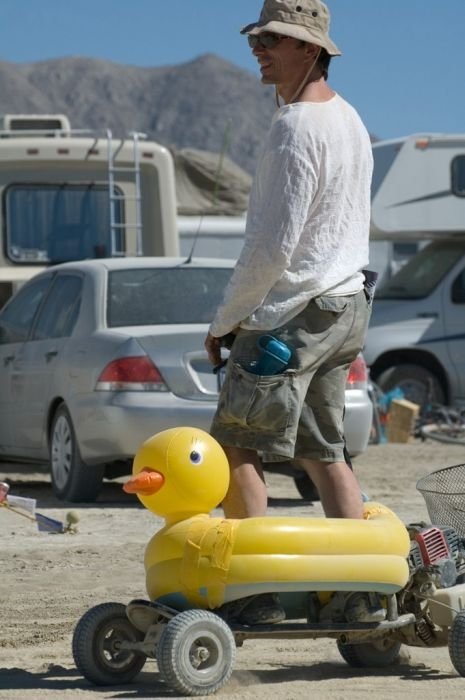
(72, 480)
(418, 384)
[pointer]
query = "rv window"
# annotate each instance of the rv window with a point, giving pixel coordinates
(422, 273)
(51, 223)
(458, 176)
(404, 250)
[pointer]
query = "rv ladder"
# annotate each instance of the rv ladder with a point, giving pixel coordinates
(113, 170)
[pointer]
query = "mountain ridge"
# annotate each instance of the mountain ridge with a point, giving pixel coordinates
(206, 103)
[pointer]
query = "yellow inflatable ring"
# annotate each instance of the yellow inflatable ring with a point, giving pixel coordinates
(205, 562)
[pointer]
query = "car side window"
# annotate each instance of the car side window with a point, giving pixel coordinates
(17, 317)
(59, 313)
(458, 289)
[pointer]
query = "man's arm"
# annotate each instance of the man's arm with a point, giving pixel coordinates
(273, 231)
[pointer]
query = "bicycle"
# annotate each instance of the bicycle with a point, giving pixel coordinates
(442, 424)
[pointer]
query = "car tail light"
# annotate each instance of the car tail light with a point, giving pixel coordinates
(358, 373)
(131, 374)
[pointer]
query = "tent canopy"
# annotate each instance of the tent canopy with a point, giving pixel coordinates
(209, 184)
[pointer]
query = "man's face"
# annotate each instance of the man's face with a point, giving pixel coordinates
(283, 61)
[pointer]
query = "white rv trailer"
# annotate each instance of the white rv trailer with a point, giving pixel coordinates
(418, 189)
(211, 236)
(70, 194)
(416, 338)
(418, 194)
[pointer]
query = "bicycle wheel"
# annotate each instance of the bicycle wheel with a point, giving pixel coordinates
(443, 432)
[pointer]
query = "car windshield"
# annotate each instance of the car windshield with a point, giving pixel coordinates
(141, 297)
(422, 273)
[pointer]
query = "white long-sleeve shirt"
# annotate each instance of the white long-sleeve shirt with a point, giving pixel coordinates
(308, 219)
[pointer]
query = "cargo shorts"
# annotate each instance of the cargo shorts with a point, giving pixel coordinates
(298, 413)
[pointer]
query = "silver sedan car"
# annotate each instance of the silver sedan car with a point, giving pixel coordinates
(98, 355)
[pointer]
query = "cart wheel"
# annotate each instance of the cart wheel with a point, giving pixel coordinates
(457, 643)
(380, 653)
(97, 645)
(196, 652)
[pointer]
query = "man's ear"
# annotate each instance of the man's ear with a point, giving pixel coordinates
(311, 52)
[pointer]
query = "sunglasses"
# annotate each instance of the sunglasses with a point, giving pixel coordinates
(267, 40)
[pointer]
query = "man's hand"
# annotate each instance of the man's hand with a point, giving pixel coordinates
(213, 348)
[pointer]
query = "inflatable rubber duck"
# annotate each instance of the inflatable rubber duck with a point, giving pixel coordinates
(197, 560)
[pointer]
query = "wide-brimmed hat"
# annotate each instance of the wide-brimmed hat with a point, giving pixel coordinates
(307, 20)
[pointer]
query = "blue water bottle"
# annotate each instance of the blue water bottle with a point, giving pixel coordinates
(274, 356)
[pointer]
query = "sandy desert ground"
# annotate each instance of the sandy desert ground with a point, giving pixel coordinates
(48, 581)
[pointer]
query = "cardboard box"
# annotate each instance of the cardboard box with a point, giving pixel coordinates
(401, 420)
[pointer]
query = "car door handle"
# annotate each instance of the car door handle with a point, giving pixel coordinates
(428, 314)
(50, 354)
(8, 359)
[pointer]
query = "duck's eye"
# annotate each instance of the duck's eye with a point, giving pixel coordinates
(195, 457)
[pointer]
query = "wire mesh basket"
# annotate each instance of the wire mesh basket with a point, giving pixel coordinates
(444, 494)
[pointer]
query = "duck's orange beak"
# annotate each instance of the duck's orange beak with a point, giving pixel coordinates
(146, 482)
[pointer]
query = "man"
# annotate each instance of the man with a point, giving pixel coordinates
(299, 276)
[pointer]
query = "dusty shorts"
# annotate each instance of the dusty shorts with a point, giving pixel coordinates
(298, 413)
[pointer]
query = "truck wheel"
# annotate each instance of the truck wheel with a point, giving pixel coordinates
(97, 645)
(306, 487)
(378, 654)
(418, 384)
(196, 653)
(72, 480)
(457, 643)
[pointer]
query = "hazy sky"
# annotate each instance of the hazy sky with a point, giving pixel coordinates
(402, 65)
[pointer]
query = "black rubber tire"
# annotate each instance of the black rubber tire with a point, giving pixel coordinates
(306, 487)
(96, 640)
(72, 480)
(379, 654)
(457, 643)
(419, 384)
(196, 653)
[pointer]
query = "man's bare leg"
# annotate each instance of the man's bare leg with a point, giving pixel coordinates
(338, 487)
(247, 496)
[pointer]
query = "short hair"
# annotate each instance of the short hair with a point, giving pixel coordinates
(324, 60)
